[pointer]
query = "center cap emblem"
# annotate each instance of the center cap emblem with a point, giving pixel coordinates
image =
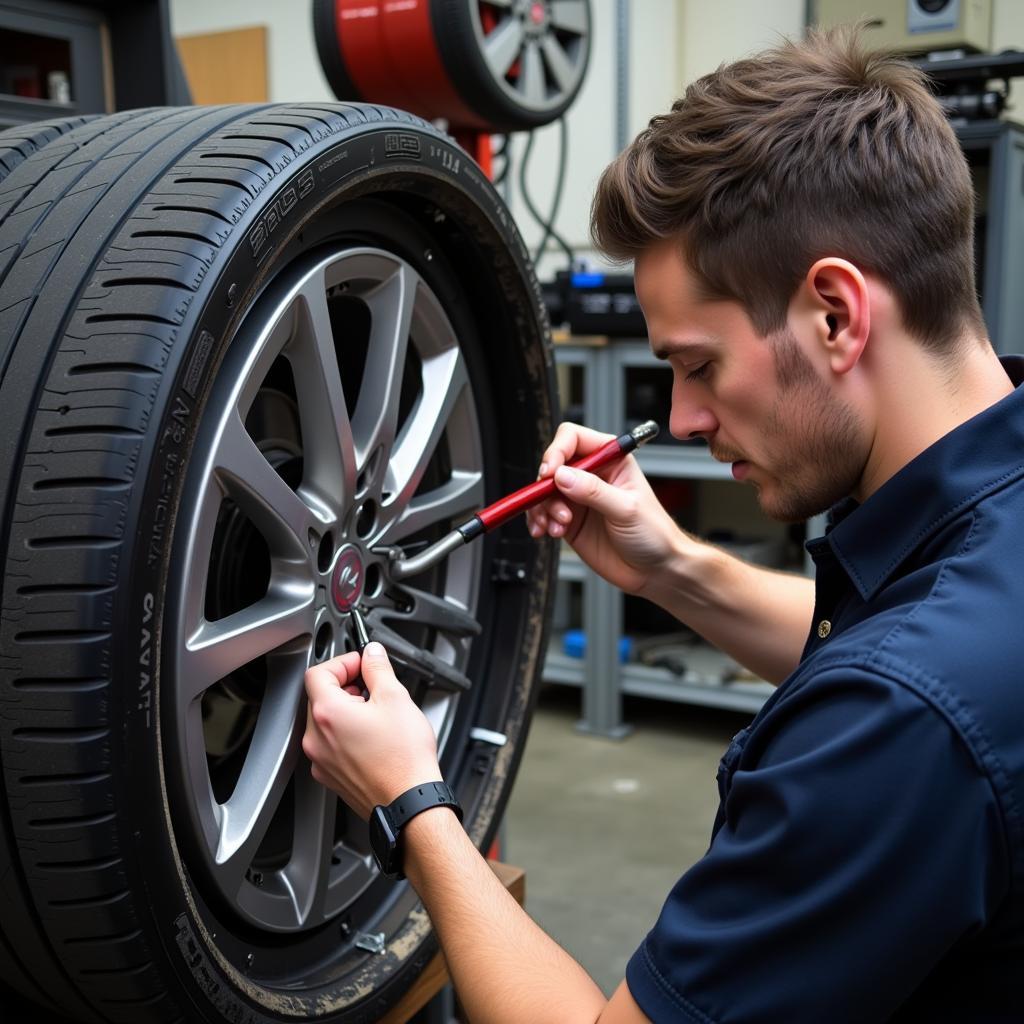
(347, 579)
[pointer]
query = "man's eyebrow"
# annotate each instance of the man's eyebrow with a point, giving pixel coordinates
(663, 348)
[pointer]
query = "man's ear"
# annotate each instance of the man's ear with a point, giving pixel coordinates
(836, 296)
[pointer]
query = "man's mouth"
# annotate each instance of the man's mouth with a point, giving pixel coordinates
(740, 470)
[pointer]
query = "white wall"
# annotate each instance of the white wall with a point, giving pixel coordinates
(714, 31)
(293, 68)
(672, 42)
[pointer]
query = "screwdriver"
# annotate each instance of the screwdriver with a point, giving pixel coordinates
(506, 508)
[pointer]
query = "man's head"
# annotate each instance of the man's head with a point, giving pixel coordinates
(783, 186)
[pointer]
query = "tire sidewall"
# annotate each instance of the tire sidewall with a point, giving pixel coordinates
(267, 237)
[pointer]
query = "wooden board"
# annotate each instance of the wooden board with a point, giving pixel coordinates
(226, 67)
(435, 976)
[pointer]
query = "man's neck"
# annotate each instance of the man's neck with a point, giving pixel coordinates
(922, 398)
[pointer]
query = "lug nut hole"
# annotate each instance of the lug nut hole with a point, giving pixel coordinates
(366, 519)
(322, 641)
(325, 553)
(374, 580)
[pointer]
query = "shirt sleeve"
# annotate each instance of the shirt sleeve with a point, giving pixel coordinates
(858, 841)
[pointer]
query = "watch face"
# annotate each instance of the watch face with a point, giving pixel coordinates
(383, 842)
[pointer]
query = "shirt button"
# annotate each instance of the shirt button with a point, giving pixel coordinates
(824, 628)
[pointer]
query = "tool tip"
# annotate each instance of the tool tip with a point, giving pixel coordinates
(645, 431)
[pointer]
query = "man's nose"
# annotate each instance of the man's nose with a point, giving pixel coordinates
(690, 420)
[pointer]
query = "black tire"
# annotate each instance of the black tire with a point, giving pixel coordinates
(459, 39)
(455, 29)
(151, 251)
(18, 143)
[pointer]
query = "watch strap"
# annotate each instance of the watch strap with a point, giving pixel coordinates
(421, 798)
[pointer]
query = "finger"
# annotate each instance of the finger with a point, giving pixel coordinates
(327, 681)
(571, 440)
(376, 668)
(560, 512)
(345, 667)
(592, 492)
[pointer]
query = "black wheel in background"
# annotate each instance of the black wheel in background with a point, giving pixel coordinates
(482, 65)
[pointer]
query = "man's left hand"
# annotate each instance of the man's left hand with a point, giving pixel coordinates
(369, 751)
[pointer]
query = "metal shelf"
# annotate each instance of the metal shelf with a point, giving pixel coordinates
(692, 687)
(689, 461)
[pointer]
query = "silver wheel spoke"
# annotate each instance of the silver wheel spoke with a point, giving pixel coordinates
(376, 416)
(216, 649)
(199, 548)
(503, 45)
(269, 764)
(329, 462)
(275, 509)
(444, 378)
(462, 494)
(558, 62)
(569, 15)
(308, 873)
(405, 654)
(531, 77)
(199, 774)
(430, 610)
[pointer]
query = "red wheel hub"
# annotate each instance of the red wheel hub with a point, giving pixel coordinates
(347, 578)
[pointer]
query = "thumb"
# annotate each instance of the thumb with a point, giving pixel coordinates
(593, 492)
(376, 667)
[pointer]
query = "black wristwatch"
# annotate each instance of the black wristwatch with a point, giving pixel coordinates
(386, 823)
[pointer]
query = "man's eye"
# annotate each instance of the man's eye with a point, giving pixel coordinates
(700, 373)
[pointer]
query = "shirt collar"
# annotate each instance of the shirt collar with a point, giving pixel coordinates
(872, 540)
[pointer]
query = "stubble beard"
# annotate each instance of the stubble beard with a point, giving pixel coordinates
(817, 436)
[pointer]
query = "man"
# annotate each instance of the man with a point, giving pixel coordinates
(802, 229)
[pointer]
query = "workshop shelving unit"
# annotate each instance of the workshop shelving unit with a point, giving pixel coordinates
(66, 58)
(995, 154)
(604, 680)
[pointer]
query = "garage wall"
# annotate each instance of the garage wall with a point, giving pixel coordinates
(293, 70)
(671, 42)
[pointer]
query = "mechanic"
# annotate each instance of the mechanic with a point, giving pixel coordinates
(802, 228)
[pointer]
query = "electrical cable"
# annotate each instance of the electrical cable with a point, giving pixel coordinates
(501, 152)
(548, 224)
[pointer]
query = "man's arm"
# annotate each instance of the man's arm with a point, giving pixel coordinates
(619, 528)
(505, 968)
(757, 616)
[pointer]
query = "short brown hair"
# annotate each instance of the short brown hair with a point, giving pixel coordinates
(810, 149)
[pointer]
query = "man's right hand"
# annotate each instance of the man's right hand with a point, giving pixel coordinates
(613, 520)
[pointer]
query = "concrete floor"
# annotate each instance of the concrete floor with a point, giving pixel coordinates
(604, 828)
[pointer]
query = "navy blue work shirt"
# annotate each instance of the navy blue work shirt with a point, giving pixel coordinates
(867, 860)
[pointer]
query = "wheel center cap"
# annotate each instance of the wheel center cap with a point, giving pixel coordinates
(347, 578)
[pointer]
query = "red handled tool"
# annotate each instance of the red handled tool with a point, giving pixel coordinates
(519, 501)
